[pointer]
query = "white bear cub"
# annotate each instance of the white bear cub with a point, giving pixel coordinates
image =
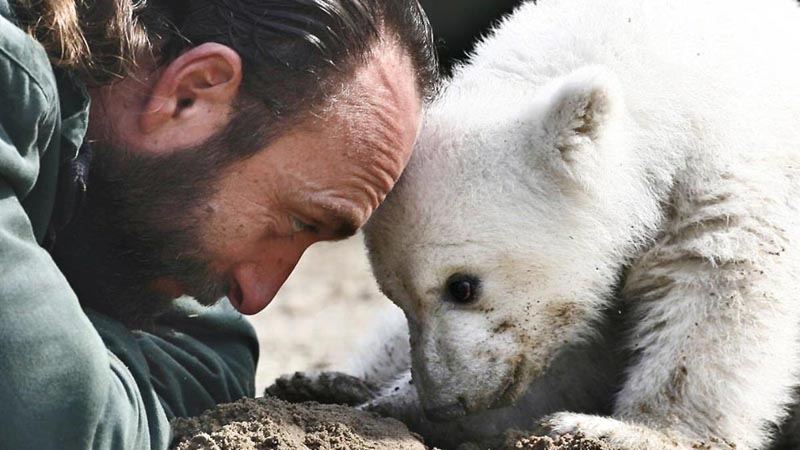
(634, 156)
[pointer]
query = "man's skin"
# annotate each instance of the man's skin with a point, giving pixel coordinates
(318, 181)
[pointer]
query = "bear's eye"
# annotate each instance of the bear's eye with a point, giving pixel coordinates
(462, 289)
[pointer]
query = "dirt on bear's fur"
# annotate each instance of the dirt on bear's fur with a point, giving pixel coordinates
(269, 423)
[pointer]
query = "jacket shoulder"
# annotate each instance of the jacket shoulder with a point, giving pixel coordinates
(22, 56)
(29, 106)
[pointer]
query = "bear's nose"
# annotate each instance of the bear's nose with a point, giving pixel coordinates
(445, 413)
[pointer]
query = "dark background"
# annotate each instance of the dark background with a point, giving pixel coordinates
(458, 23)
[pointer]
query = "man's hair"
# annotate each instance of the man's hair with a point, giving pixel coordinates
(295, 53)
(97, 39)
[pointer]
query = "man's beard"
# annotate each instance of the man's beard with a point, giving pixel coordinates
(142, 221)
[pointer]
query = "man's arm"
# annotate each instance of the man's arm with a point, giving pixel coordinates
(196, 357)
(65, 389)
(59, 385)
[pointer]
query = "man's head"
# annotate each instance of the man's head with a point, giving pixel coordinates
(248, 131)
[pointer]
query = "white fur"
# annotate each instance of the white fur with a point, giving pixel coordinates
(586, 144)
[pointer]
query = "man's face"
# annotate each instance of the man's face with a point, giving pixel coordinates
(319, 182)
(191, 222)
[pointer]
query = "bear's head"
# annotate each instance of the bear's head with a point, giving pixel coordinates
(507, 232)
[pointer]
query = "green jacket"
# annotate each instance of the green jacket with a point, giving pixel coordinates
(69, 378)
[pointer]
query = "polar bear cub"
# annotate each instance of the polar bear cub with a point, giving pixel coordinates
(637, 157)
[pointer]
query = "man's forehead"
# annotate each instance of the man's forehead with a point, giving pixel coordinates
(383, 115)
(382, 93)
(363, 141)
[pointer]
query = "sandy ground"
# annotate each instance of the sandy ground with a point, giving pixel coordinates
(321, 312)
(268, 423)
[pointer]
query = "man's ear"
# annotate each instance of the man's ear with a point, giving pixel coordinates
(193, 96)
(580, 111)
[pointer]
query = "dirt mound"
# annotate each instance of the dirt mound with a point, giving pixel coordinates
(269, 423)
(565, 442)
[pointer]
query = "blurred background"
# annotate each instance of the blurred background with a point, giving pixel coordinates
(458, 23)
(327, 306)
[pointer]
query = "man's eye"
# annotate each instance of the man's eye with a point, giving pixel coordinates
(298, 226)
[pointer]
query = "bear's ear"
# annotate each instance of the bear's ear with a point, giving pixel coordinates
(579, 111)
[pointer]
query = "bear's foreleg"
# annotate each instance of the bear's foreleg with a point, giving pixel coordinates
(715, 333)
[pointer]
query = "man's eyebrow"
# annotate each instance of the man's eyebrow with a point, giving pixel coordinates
(342, 225)
(345, 230)
(330, 217)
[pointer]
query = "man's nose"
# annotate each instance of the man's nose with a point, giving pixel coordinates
(255, 283)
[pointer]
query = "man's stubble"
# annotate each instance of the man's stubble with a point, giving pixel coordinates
(142, 221)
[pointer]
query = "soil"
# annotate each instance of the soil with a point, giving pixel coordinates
(269, 423)
(517, 440)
